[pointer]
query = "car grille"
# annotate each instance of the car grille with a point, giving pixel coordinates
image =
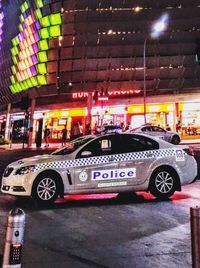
(8, 171)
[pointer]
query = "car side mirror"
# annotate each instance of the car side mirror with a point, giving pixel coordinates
(86, 153)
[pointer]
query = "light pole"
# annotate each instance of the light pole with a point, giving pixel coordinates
(144, 85)
(159, 26)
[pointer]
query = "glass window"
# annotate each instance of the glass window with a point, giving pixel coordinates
(136, 143)
(158, 129)
(146, 129)
(103, 146)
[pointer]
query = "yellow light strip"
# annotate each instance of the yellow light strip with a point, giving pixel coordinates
(150, 108)
(67, 113)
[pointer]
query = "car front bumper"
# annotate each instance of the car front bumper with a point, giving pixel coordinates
(18, 185)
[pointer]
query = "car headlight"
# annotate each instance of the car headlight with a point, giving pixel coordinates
(25, 170)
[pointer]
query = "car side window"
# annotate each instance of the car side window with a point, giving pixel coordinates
(147, 129)
(144, 129)
(102, 146)
(137, 143)
(158, 129)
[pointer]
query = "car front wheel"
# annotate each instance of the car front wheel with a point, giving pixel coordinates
(163, 183)
(45, 189)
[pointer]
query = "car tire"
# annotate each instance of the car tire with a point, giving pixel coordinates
(163, 183)
(45, 189)
(175, 140)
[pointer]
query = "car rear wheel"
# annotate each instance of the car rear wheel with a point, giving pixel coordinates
(45, 189)
(176, 140)
(163, 183)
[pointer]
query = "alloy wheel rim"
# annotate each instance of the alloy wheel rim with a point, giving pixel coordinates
(164, 182)
(46, 189)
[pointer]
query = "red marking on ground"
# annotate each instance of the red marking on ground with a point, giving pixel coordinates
(145, 195)
(179, 196)
(85, 197)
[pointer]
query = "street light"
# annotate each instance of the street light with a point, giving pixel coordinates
(156, 30)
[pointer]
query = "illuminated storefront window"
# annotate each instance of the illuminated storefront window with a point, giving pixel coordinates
(190, 118)
(56, 120)
(30, 47)
(158, 114)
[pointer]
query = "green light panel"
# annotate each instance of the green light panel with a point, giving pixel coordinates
(34, 81)
(43, 44)
(44, 33)
(55, 19)
(15, 41)
(54, 31)
(14, 51)
(24, 7)
(42, 80)
(20, 28)
(41, 68)
(21, 18)
(12, 78)
(42, 56)
(14, 69)
(45, 21)
(15, 60)
(38, 14)
(39, 3)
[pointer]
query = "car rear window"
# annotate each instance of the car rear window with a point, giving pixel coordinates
(136, 143)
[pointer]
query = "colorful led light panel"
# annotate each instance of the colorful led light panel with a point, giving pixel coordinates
(30, 47)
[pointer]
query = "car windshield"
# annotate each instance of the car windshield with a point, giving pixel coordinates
(73, 145)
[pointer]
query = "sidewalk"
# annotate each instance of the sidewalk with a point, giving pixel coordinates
(190, 141)
(54, 146)
(19, 146)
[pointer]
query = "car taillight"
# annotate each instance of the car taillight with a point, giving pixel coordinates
(189, 151)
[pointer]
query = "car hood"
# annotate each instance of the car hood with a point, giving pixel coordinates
(39, 159)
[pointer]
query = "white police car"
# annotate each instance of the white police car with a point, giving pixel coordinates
(109, 163)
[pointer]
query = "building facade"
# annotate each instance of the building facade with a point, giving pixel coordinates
(60, 53)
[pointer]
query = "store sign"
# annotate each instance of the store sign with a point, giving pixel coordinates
(116, 93)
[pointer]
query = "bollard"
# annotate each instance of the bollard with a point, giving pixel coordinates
(195, 236)
(14, 239)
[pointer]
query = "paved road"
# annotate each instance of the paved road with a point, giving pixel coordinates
(105, 231)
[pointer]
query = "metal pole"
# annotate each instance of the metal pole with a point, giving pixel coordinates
(24, 126)
(144, 85)
(195, 236)
(11, 133)
(102, 113)
(89, 108)
(8, 120)
(30, 137)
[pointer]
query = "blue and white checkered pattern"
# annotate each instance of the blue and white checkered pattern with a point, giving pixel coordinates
(105, 159)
